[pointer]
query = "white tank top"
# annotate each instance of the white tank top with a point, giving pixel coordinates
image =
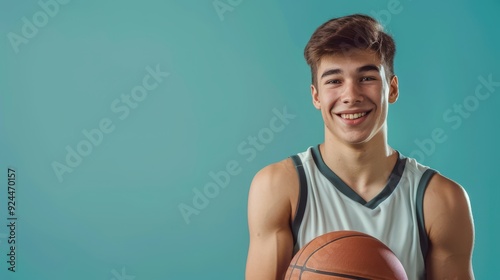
(394, 216)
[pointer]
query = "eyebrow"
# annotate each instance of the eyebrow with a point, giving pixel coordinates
(365, 68)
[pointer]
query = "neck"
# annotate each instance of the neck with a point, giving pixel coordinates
(361, 166)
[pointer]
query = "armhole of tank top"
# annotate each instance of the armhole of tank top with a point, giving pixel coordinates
(422, 186)
(301, 203)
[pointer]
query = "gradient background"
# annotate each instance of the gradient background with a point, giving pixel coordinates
(116, 215)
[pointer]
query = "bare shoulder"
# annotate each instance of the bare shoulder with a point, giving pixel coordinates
(276, 177)
(449, 225)
(275, 188)
(445, 194)
(270, 210)
(444, 199)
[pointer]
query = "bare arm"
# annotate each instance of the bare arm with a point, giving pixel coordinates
(450, 228)
(269, 214)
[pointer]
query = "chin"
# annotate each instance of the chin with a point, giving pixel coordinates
(352, 140)
(356, 141)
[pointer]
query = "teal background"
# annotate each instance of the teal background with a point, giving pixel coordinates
(118, 211)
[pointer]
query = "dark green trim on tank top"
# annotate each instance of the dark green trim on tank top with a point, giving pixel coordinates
(391, 185)
(422, 186)
(302, 201)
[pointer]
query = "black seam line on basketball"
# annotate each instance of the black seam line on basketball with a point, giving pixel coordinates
(327, 243)
(298, 257)
(293, 266)
(329, 273)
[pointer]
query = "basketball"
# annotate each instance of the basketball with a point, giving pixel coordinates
(345, 255)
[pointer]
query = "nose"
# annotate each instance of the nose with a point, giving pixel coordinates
(351, 93)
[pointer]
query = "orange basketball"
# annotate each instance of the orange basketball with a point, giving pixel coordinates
(345, 255)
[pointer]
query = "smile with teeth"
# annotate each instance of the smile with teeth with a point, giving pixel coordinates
(352, 116)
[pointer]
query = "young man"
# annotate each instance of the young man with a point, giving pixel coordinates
(355, 180)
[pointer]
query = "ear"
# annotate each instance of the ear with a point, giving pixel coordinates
(394, 89)
(315, 97)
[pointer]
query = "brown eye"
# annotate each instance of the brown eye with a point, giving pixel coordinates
(365, 79)
(333, 82)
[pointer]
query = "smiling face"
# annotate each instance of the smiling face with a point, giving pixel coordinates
(353, 93)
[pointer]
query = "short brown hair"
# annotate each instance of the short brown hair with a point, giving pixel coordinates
(346, 33)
